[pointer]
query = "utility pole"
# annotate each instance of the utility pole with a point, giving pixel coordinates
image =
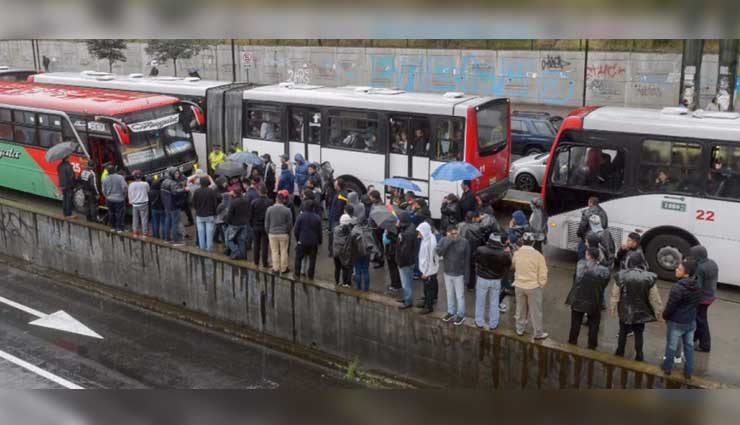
(726, 76)
(233, 61)
(690, 73)
(585, 73)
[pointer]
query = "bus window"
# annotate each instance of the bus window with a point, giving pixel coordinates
(354, 130)
(305, 126)
(589, 167)
(450, 140)
(263, 122)
(25, 135)
(669, 166)
(49, 138)
(723, 179)
(493, 131)
(421, 142)
(6, 128)
(399, 135)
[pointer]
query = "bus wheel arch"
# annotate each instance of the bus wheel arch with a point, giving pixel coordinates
(664, 246)
(353, 184)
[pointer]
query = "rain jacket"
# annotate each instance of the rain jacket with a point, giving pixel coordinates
(685, 295)
(287, 180)
(707, 273)
(520, 227)
(428, 259)
(492, 261)
(301, 171)
(586, 294)
(341, 247)
(170, 189)
(406, 242)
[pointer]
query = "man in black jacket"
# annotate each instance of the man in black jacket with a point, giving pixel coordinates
(238, 232)
(585, 297)
(635, 296)
(205, 202)
(585, 226)
(308, 235)
(67, 183)
(492, 262)
(680, 315)
(467, 200)
(89, 183)
(707, 273)
(406, 256)
(258, 209)
(629, 250)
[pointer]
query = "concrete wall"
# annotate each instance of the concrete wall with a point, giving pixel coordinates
(538, 77)
(315, 315)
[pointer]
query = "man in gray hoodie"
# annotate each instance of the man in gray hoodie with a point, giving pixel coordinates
(278, 225)
(358, 212)
(455, 254)
(114, 190)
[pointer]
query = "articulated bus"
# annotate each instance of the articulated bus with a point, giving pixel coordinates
(370, 134)
(133, 131)
(671, 175)
(209, 95)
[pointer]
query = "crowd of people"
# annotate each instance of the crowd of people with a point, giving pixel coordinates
(272, 207)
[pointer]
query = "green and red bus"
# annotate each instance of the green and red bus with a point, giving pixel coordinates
(132, 131)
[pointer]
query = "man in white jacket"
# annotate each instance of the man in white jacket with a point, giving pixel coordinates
(428, 266)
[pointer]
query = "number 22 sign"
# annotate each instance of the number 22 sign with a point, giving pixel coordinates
(705, 215)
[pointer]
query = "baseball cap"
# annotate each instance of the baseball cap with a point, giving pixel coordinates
(284, 193)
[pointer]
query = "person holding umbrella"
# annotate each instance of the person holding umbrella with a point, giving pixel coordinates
(67, 183)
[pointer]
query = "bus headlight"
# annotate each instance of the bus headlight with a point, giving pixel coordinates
(553, 224)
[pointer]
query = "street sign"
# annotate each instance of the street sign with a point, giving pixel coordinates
(247, 59)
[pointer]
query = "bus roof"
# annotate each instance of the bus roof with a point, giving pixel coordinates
(79, 100)
(667, 121)
(366, 97)
(133, 82)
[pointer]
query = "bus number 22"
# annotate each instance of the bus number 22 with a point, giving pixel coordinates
(705, 215)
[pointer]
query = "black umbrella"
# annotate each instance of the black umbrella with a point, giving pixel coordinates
(385, 217)
(230, 169)
(60, 151)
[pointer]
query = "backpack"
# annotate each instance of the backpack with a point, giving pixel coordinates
(606, 253)
(365, 243)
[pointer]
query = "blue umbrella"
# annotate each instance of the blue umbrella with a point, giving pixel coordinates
(245, 158)
(401, 183)
(455, 171)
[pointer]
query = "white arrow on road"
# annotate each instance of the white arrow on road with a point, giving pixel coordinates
(59, 320)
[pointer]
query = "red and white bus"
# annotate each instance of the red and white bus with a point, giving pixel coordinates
(671, 175)
(133, 131)
(370, 134)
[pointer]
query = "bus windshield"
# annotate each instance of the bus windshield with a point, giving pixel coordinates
(154, 135)
(493, 127)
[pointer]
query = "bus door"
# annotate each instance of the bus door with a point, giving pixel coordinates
(304, 133)
(449, 145)
(410, 146)
(488, 145)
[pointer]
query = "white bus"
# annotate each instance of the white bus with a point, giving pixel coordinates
(370, 134)
(208, 95)
(671, 175)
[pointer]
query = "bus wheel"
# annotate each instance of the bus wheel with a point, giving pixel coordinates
(664, 254)
(352, 186)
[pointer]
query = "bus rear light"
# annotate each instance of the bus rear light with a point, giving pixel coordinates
(122, 133)
(200, 117)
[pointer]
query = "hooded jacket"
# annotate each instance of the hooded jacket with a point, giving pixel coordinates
(358, 207)
(287, 180)
(492, 261)
(301, 170)
(520, 227)
(586, 294)
(115, 188)
(428, 259)
(682, 301)
(171, 188)
(406, 242)
(637, 300)
(707, 273)
(341, 247)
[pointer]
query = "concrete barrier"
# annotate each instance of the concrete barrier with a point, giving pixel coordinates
(314, 314)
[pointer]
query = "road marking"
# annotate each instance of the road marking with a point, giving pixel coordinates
(60, 320)
(38, 371)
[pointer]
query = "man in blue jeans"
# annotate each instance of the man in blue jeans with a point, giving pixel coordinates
(492, 263)
(680, 317)
(406, 256)
(455, 254)
(205, 202)
(171, 188)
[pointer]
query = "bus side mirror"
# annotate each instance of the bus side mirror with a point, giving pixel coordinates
(122, 133)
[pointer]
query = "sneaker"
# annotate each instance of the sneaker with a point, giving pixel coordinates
(405, 307)
(425, 311)
(447, 317)
(458, 321)
(479, 326)
(503, 308)
(120, 232)
(520, 333)
(676, 360)
(420, 304)
(113, 230)
(178, 244)
(543, 336)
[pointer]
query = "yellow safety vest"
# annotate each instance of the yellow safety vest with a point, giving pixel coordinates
(216, 158)
(104, 175)
(237, 149)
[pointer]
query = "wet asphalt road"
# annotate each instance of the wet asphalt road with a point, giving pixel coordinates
(139, 350)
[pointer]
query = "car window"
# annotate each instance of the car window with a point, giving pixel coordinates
(518, 126)
(543, 129)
